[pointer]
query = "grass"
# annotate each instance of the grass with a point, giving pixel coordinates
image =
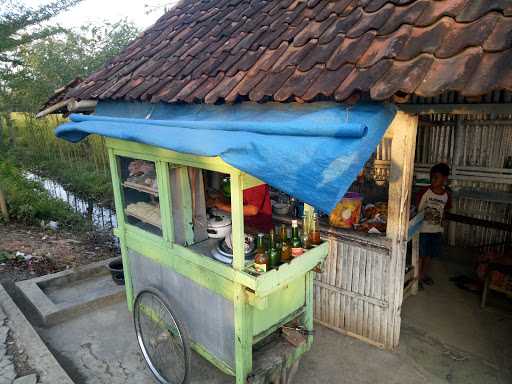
(81, 168)
(28, 202)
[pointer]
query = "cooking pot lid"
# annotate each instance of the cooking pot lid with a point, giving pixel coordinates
(218, 219)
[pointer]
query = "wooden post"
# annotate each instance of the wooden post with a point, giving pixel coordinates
(3, 206)
(457, 160)
(404, 129)
(242, 308)
(119, 202)
(415, 260)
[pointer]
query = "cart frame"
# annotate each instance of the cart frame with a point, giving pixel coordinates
(257, 310)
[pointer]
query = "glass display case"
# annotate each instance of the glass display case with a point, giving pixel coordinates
(140, 194)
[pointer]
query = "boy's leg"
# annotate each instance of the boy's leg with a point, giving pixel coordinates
(424, 251)
(435, 249)
(427, 260)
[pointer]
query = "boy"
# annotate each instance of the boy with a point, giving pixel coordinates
(434, 201)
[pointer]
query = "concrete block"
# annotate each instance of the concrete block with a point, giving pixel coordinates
(30, 379)
(63, 295)
(39, 357)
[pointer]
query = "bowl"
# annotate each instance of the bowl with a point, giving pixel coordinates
(280, 208)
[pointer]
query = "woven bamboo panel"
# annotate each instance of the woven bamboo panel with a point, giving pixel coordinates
(350, 294)
(477, 141)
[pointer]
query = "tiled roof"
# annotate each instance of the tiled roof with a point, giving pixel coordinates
(60, 94)
(304, 50)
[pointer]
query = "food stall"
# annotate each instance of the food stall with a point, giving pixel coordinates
(253, 324)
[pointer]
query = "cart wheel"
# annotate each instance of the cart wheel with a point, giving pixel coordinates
(162, 338)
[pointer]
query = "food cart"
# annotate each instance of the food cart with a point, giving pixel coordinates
(252, 325)
(224, 310)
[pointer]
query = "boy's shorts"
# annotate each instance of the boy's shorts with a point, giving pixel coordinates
(431, 244)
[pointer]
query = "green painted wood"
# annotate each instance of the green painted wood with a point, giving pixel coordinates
(278, 278)
(281, 304)
(243, 335)
(277, 294)
(177, 261)
(149, 152)
(164, 189)
(119, 202)
(186, 204)
(223, 366)
(237, 221)
(249, 181)
(294, 315)
(309, 313)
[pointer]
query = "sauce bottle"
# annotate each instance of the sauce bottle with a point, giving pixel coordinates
(261, 258)
(296, 244)
(314, 231)
(286, 250)
(273, 253)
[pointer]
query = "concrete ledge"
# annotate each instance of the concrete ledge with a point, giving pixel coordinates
(40, 358)
(65, 294)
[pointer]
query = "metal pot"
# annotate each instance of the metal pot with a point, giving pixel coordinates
(219, 224)
(223, 252)
(280, 208)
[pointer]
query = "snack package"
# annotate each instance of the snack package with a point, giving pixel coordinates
(347, 212)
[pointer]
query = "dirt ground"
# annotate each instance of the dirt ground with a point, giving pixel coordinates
(41, 251)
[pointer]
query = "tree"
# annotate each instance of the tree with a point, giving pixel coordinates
(20, 25)
(54, 61)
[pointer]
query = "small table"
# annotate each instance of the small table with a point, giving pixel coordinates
(506, 269)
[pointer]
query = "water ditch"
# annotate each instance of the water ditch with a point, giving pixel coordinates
(102, 218)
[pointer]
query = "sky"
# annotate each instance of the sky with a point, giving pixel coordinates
(97, 11)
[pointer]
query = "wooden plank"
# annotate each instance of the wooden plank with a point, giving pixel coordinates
(199, 216)
(243, 333)
(400, 183)
(456, 109)
(351, 334)
(164, 185)
(351, 294)
(338, 310)
(237, 209)
(415, 262)
(479, 222)
(119, 203)
(148, 152)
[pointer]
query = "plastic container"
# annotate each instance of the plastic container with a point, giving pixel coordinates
(347, 212)
(116, 269)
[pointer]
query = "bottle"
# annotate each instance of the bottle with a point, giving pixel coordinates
(293, 207)
(261, 258)
(306, 225)
(508, 162)
(226, 187)
(296, 244)
(286, 250)
(278, 242)
(314, 231)
(273, 252)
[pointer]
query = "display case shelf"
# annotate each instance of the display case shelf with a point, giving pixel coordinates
(143, 218)
(140, 188)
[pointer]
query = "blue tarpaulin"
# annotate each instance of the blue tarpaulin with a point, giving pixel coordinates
(311, 151)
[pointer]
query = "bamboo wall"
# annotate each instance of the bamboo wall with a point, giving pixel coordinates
(351, 295)
(471, 141)
(464, 141)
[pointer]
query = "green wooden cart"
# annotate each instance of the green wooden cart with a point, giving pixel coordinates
(225, 312)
